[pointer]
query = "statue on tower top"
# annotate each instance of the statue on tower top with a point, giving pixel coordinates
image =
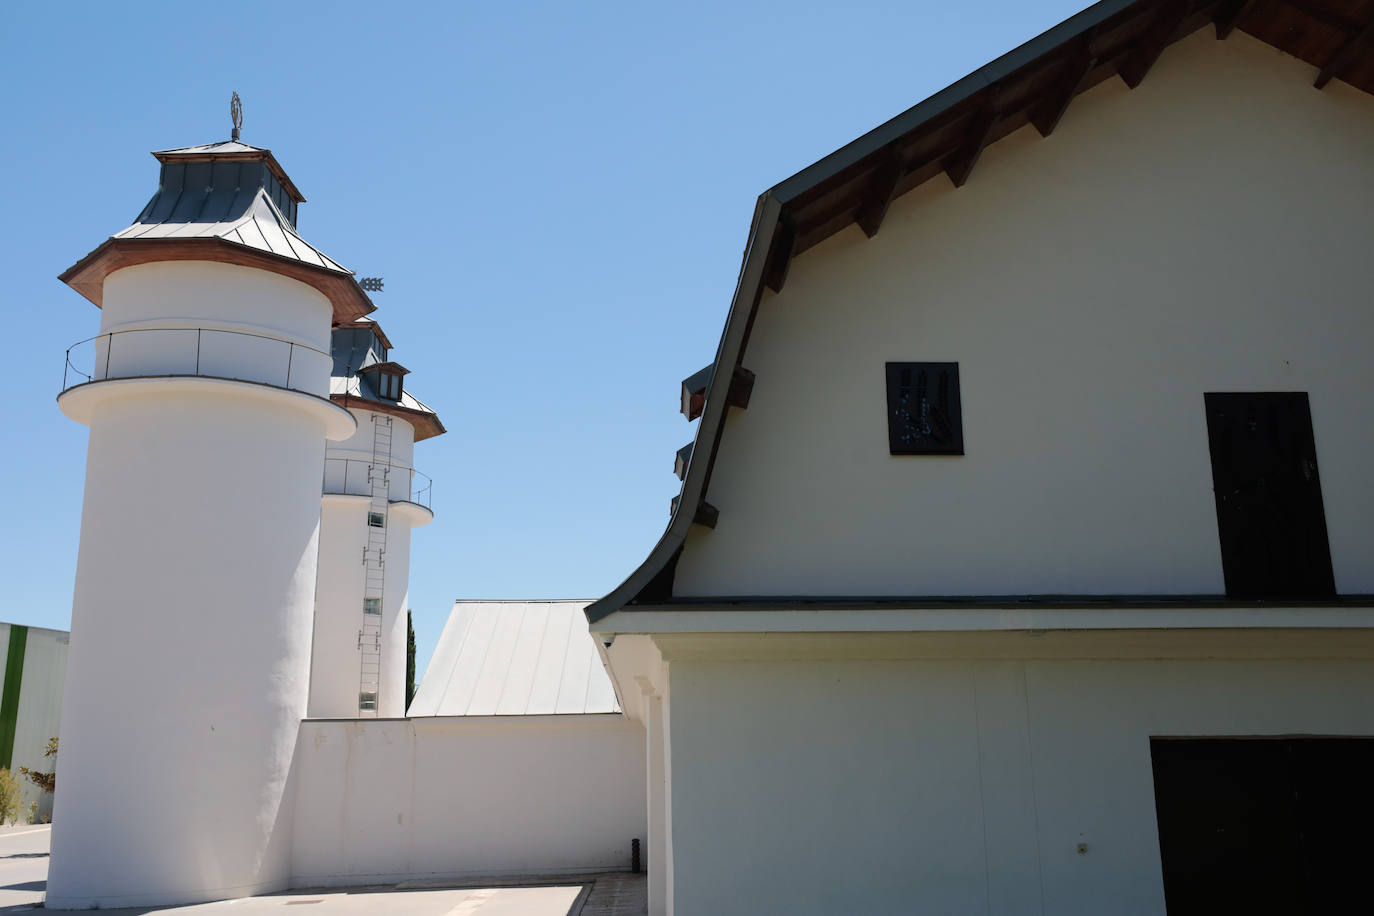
(236, 114)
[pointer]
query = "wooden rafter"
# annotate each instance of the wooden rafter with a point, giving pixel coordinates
(705, 514)
(1345, 56)
(882, 190)
(1227, 14)
(1325, 16)
(780, 258)
(681, 459)
(959, 164)
(1153, 42)
(1080, 63)
(741, 388)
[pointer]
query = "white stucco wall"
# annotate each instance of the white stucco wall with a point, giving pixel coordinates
(1208, 231)
(199, 544)
(955, 787)
(334, 656)
(40, 708)
(350, 456)
(248, 320)
(389, 799)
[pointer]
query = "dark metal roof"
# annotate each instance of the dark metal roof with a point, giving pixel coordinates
(233, 149)
(352, 380)
(227, 196)
(222, 199)
(357, 391)
(946, 133)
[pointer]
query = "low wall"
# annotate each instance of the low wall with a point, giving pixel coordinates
(381, 800)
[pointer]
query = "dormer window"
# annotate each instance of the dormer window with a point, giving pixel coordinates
(385, 380)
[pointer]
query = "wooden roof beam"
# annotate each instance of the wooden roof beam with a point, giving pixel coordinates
(959, 165)
(1152, 43)
(741, 388)
(694, 392)
(681, 459)
(1326, 16)
(882, 190)
(1045, 116)
(1227, 14)
(706, 513)
(780, 257)
(1344, 57)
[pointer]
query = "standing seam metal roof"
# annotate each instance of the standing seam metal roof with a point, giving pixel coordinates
(228, 205)
(515, 658)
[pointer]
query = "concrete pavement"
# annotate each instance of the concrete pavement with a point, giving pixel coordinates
(24, 875)
(23, 867)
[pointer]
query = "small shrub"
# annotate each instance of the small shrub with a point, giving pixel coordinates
(11, 797)
(45, 781)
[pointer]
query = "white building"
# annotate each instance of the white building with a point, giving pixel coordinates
(1037, 446)
(1023, 561)
(32, 671)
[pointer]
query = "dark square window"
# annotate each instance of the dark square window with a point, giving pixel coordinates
(923, 414)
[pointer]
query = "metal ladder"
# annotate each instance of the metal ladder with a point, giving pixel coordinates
(374, 568)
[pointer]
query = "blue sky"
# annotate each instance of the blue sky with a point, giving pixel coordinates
(557, 194)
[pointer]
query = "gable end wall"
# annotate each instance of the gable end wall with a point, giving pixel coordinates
(1208, 231)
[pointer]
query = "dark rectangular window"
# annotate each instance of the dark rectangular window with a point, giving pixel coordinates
(1270, 517)
(1264, 826)
(923, 413)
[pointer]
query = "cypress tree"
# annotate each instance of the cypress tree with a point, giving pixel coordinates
(410, 660)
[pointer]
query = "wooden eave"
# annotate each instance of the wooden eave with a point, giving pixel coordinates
(1032, 84)
(87, 276)
(388, 366)
(426, 423)
(858, 182)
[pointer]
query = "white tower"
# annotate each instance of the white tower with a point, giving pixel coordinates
(207, 398)
(373, 497)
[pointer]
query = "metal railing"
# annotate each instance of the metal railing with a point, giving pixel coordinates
(350, 476)
(198, 352)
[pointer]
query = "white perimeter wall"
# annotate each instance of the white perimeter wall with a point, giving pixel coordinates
(1208, 231)
(954, 787)
(388, 799)
(40, 708)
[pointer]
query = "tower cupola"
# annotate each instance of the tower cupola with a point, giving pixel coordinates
(228, 202)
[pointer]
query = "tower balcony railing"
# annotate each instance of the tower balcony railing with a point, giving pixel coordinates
(188, 352)
(354, 476)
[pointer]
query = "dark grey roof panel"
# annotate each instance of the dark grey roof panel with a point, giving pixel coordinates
(239, 199)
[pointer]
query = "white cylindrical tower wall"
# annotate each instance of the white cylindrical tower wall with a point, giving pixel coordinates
(334, 661)
(195, 587)
(335, 668)
(391, 699)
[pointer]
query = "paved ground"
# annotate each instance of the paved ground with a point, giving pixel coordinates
(23, 867)
(24, 875)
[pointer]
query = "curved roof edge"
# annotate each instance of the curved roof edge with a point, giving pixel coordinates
(738, 322)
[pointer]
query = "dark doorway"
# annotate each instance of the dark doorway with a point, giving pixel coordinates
(1269, 497)
(1260, 826)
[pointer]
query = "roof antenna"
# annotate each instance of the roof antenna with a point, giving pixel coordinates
(236, 113)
